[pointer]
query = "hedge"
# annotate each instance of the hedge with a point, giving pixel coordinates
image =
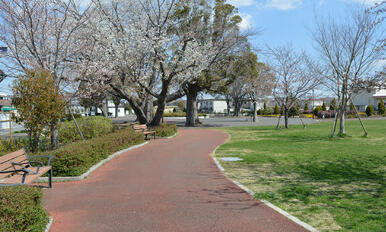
(90, 126)
(21, 209)
(180, 114)
(76, 158)
(165, 130)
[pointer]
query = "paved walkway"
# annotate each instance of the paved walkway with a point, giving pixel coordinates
(167, 185)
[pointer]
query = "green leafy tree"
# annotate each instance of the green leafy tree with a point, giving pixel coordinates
(317, 109)
(39, 104)
(294, 111)
(333, 104)
(181, 105)
(306, 105)
(324, 107)
(369, 110)
(276, 110)
(381, 107)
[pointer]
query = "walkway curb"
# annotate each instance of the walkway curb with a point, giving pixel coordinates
(92, 169)
(267, 203)
(49, 224)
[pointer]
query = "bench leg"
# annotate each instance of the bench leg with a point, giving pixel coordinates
(50, 179)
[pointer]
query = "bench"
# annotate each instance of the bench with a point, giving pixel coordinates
(143, 129)
(17, 168)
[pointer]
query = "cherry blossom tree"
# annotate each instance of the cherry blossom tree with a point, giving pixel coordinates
(139, 53)
(295, 76)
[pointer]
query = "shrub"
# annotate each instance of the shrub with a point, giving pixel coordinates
(180, 114)
(267, 111)
(90, 126)
(369, 110)
(260, 112)
(308, 112)
(326, 114)
(381, 107)
(7, 146)
(21, 209)
(76, 158)
(175, 114)
(165, 130)
(316, 110)
(294, 111)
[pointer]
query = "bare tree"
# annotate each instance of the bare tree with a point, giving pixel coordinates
(261, 86)
(350, 51)
(294, 77)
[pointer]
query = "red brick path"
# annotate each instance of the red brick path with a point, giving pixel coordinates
(167, 185)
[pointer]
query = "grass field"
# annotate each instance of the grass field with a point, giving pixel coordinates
(334, 184)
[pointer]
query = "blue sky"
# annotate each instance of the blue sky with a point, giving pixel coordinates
(283, 21)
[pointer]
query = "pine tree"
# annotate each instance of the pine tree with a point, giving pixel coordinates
(333, 105)
(381, 107)
(369, 110)
(306, 106)
(324, 107)
(276, 110)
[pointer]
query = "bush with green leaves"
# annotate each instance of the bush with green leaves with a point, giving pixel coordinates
(165, 130)
(317, 109)
(90, 126)
(276, 110)
(76, 158)
(381, 107)
(21, 209)
(369, 110)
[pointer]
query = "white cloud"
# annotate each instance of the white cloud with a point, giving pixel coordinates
(284, 4)
(246, 23)
(238, 3)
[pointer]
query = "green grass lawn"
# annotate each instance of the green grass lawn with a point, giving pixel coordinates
(334, 184)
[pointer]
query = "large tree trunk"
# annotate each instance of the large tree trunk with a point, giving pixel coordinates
(254, 111)
(104, 108)
(237, 108)
(286, 117)
(159, 113)
(116, 111)
(191, 108)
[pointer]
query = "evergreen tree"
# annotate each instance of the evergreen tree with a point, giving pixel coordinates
(381, 107)
(369, 110)
(333, 105)
(306, 106)
(276, 110)
(324, 107)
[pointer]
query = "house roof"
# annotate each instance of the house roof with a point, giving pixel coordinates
(380, 93)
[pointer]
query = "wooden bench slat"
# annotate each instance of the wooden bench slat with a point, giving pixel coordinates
(16, 179)
(20, 159)
(10, 156)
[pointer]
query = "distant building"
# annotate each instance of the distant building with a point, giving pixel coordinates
(364, 97)
(5, 103)
(217, 106)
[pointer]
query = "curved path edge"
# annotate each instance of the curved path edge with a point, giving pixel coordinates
(267, 203)
(167, 185)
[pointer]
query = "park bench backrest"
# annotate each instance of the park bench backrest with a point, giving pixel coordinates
(141, 127)
(5, 161)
